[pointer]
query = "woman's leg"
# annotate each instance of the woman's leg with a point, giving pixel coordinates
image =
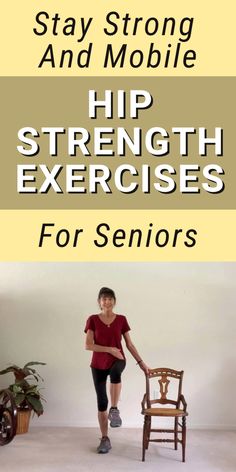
(103, 422)
(115, 375)
(99, 378)
(115, 389)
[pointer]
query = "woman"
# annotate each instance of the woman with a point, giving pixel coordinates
(104, 332)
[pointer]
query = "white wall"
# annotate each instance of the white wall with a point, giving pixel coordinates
(182, 316)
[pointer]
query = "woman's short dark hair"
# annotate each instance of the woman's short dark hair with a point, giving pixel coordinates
(106, 292)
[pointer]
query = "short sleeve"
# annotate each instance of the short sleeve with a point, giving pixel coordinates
(125, 326)
(89, 324)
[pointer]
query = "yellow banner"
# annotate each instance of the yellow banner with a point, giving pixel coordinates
(123, 38)
(130, 235)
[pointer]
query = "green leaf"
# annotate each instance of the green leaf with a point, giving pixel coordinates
(21, 383)
(33, 389)
(19, 398)
(5, 371)
(35, 404)
(12, 368)
(16, 388)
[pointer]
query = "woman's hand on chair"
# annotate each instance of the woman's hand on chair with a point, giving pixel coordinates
(144, 367)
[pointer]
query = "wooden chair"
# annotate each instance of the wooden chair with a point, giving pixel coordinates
(165, 379)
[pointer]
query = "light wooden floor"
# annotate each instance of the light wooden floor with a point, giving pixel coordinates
(74, 450)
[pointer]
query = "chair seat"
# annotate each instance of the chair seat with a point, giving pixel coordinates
(172, 412)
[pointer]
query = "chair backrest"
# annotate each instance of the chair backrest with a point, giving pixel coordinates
(167, 379)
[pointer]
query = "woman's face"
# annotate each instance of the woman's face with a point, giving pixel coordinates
(106, 302)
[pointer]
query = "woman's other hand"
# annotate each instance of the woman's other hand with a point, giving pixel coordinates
(116, 353)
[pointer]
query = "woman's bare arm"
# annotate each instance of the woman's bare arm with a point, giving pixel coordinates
(132, 349)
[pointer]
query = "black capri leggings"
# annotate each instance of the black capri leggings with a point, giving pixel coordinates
(100, 379)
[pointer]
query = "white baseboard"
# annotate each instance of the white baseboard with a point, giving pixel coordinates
(39, 422)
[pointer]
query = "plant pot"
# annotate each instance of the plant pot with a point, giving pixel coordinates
(23, 419)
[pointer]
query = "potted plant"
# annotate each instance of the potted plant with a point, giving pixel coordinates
(27, 395)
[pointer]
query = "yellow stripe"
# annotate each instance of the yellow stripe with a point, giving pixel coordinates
(21, 229)
(213, 36)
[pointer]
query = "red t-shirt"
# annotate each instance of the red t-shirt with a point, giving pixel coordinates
(106, 335)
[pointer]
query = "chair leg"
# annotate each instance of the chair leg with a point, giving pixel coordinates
(145, 436)
(176, 433)
(183, 438)
(149, 419)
